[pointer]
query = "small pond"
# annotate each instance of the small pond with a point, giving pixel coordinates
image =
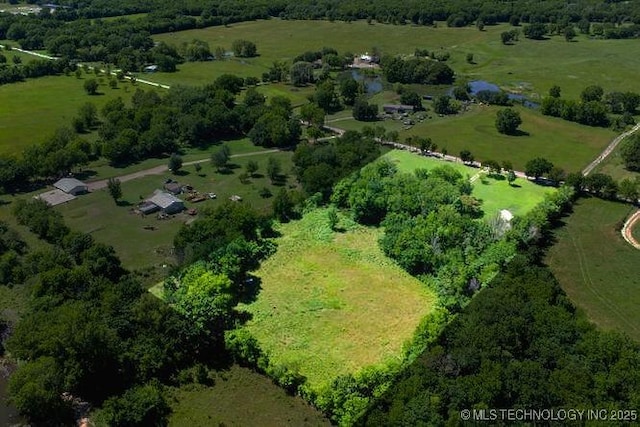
(373, 84)
(480, 85)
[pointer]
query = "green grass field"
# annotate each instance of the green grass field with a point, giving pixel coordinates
(240, 397)
(96, 213)
(568, 145)
(31, 110)
(331, 303)
(614, 166)
(495, 194)
(528, 66)
(597, 269)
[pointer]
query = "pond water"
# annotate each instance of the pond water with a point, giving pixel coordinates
(373, 85)
(480, 85)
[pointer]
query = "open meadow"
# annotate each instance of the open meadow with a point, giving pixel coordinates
(614, 165)
(529, 66)
(568, 145)
(495, 194)
(240, 397)
(33, 109)
(597, 269)
(331, 303)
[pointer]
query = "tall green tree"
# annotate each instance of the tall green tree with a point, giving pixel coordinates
(115, 189)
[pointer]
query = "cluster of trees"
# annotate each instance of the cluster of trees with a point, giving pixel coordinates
(429, 225)
(12, 249)
(507, 121)
(318, 166)
(593, 107)
(18, 71)
(630, 153)
(519, 344)
(416, 70)
(275, 126)
(93, 331)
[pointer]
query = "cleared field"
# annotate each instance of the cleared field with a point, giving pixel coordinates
(116, 225)
(568, 145)
(614, 166)
(495, 194)
(599, 270)
(331, 303)
(529, 66)
(31, 110)
(240, 397)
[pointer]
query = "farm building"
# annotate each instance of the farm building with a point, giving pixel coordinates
(147, 207)
(166, 202)
(173, 187)
(397, 108)
(71, 186)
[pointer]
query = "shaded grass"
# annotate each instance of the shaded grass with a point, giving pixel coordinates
(33, 109)
(614, 165)
(332, 303)
(96, 213)
(240, 397)
(599, 270)
(495, 195)
(528, 66)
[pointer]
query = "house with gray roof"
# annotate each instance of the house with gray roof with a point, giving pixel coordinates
(168, 203)
(71, 186)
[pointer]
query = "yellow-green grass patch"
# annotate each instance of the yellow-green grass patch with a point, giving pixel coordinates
(332, 303)
(596, 267)
(495, 194)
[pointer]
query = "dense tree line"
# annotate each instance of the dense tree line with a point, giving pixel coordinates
(10, 73)
(594, 107)
(93, 331)
(416, 70)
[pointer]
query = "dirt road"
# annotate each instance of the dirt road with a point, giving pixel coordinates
(159, 170)
(633, 221)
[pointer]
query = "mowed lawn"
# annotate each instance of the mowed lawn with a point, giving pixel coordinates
(116, 225)
(32, 110)
(529, 66)
(495, 194)
(240, 397)
(331, 303)
(595, 266)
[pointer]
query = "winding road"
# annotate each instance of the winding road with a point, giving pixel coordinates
(627, 229)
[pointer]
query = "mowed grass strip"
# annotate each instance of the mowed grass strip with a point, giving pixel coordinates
(331, 303)
(33, 109)
(495, 194)
(240, 397)
(595, 266)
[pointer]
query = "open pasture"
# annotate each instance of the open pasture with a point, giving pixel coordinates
(495, 194)
(35, 108)
(597, 269)
(139, 247)
(529, 66)
(331, 303)
(240, 397)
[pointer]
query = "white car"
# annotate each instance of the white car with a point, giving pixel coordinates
(212, 195)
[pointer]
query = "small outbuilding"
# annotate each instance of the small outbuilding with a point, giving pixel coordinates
(173, 187)
(166, 202)
(147, 208)
(71, 186)
(397, 108)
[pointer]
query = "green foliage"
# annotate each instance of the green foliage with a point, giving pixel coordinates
(416, 70)
(140, 406)
(507, 121)
(244, 48)
(115, 188)
(538, 167)
(91, 86)
(41, 219)
(630, 153)
(443, 105)
(301, 73)
(363, 111)
(175, 163)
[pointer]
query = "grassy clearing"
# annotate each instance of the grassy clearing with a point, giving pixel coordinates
(528, 66)
(614, 166)
(96, 213)
(331, 303)
(599, 271)
(568, 145)
(32, 109)
(495, 194)
(240, 397)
